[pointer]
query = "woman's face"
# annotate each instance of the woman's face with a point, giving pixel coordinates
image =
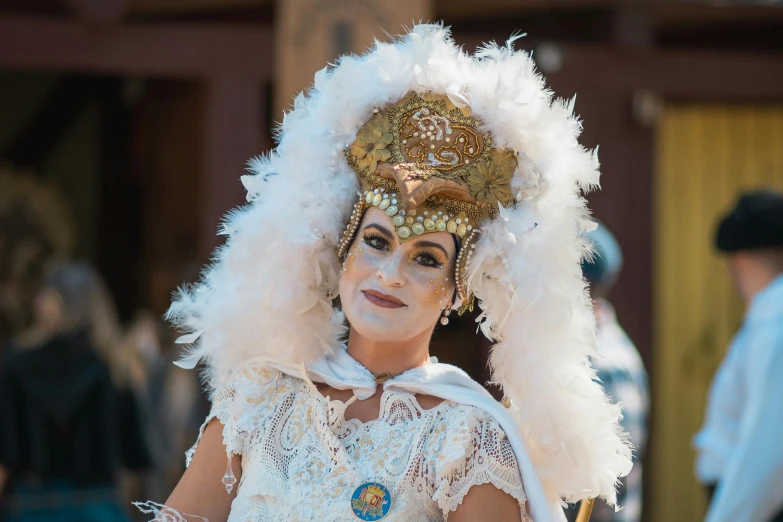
(391, 291)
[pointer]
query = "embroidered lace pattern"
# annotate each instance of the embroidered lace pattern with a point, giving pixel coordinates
(302, 460)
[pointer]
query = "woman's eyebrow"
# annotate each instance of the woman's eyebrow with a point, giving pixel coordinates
(380, 228)
(425, 243)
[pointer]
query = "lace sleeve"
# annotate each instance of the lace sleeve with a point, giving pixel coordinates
(476, 451)
(237, 406)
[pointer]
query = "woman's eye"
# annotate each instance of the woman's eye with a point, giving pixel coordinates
(428, 260)
(378, 243)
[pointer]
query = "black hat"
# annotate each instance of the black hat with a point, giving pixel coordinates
(756, 222)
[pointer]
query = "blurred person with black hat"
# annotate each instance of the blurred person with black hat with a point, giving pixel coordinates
(740, 446)
(621, 372)
(70, 422)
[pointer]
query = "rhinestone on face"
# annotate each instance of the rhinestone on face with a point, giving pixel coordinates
(397, 220)
(404, 232)
(392, 210)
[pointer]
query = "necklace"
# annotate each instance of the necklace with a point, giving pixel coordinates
(382, 377)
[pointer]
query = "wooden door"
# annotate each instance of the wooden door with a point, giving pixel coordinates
(706, 155)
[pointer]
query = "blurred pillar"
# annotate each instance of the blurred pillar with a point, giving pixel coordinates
(167, 138)
(232, 135)
(311, 33)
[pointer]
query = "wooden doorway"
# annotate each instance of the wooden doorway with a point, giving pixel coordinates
(706, 155)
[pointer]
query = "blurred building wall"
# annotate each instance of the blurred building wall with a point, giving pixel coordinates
(71, 163)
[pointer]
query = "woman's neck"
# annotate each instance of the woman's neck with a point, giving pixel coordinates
(390, 357)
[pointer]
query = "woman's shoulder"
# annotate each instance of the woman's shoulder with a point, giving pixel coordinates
(255, 383)
(462, 431)
(470, 449)
(252, 392)
(468, 416)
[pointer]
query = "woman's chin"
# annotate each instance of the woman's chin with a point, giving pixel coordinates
(388, 326)
(377, 328)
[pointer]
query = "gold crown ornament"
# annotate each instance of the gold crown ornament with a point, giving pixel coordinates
(429, 165)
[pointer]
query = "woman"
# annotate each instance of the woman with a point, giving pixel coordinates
(468, 176)
(70, 424)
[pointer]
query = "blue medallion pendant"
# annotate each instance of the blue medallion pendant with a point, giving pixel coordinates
(371, 501)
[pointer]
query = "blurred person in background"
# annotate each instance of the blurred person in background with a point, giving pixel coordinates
(70, 422)
(35, 227)
(621, 372)
(740, 446)
(171, 397)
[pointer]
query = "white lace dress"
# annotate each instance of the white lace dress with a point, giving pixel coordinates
(302, 460)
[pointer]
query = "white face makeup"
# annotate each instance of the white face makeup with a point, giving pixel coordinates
(393, 292)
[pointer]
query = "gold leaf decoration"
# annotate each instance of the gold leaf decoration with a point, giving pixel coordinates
(372, 143)
(490, 181)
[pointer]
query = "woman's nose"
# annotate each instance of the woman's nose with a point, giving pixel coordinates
(391, 272)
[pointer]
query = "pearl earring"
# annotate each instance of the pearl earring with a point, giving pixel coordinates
(445, 319)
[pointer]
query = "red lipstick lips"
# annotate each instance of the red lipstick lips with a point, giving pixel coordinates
(382, 300)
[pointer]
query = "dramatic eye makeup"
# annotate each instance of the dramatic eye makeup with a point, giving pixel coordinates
(428, 259)
(375, 240)
(428, 254)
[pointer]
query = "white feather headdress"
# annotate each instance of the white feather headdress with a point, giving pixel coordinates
(270, 289)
